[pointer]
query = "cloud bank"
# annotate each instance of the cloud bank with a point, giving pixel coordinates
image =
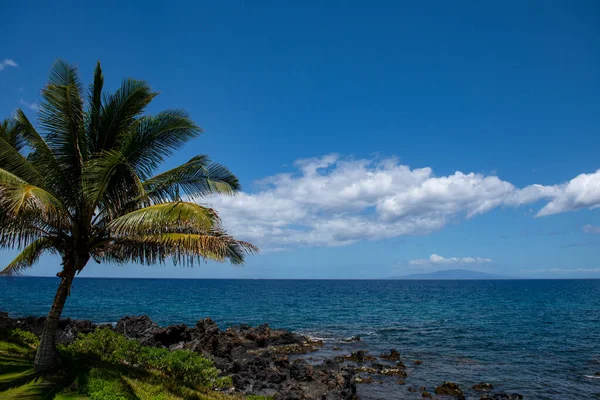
(336, 201)
(434, 259)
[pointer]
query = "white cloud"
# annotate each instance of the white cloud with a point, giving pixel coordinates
(591, 229)
(7, 62)
(335, 201)
(582, 191)
(434, 259)
(34, 106)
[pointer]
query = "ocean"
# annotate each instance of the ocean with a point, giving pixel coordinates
(540, 338)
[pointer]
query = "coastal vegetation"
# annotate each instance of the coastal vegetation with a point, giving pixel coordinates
(106, 365)
(87, 186)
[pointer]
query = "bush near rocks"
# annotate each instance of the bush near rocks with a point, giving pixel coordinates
(111, 347)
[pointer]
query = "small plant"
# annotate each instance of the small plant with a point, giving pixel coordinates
(108, 346)
(19, 336)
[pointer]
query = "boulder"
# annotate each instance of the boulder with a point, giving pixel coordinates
(5, 321)
(141, 328)
(172, 335)
(482, 386)
(394, 355)
(450, 389)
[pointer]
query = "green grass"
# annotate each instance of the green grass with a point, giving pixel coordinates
(106, 366)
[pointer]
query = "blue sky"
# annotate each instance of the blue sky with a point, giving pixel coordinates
(383, 101)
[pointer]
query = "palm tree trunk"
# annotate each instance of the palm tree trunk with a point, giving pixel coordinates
(46, 358)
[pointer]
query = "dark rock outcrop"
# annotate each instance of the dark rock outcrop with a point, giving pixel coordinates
(66, 333)
(482, 386)
(256, 358)
(358, 357)
(502, 396)
(450, 389)
(394, 355)
(141, 328)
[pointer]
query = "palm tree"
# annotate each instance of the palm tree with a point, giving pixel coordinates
(87, 187)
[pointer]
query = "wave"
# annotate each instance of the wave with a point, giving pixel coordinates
(113, 324)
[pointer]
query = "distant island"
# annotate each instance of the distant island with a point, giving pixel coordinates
(454, 274)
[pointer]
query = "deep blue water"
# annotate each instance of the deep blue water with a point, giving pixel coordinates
(540, 338)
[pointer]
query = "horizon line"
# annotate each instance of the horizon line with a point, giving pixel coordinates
(316, 279)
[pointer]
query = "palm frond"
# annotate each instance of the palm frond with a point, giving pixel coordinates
(29, 256)
(10, 133)
(162, 218)
(61, 115)
(17, 232)
(17, 197)
(14, 162)
(110, 181)
(183, 248)
(197, 178)
(120, 110)
(43, 159)
(95, 107)
(153, 138)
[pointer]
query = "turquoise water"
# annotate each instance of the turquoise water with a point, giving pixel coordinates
(539, 338)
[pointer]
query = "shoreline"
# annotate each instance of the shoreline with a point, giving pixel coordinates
(277, 363)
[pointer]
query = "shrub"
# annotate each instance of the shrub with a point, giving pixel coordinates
(108, 346)
(19, 336)
(182, 365)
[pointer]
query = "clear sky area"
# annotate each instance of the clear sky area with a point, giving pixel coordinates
(372, 139)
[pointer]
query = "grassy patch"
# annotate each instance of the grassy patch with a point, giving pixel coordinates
(104, 365)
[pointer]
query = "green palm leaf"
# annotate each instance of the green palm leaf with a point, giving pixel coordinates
(9, 132)
(154, 138)
(95, 104)
(61, 115)
(162, 218)
(14, 162)
(182, 248)
(29, 256)
(197, 178)
(110, 181)
(118, 113)
(43, 159)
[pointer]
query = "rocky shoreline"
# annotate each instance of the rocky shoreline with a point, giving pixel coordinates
(270, 362)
